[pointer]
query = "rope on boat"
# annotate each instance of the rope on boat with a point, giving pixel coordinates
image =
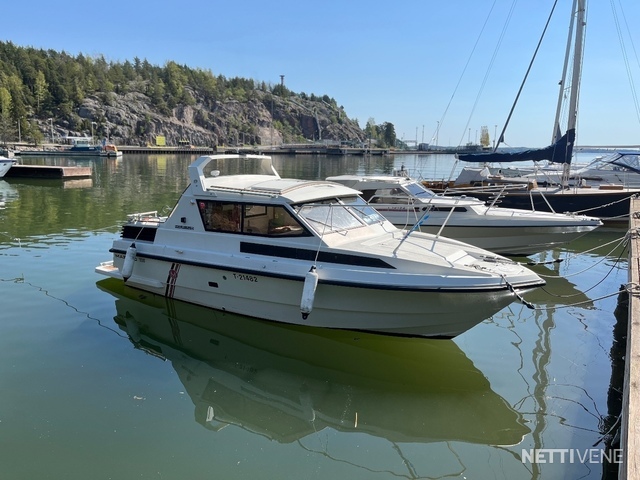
(548, 262)
(529, 305)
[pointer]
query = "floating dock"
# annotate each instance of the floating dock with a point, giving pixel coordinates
(48, 171)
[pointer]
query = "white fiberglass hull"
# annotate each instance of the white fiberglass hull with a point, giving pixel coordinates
(499, 230)
(5, 165)
(424, 313)
(513, 240)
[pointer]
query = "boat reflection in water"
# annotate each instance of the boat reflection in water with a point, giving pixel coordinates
(286, 382)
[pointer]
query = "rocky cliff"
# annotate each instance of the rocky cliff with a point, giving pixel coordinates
(263, 119)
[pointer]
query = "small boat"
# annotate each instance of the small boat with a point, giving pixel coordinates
(405, 202)
(5, 165)
(80, 146)
(244, 240)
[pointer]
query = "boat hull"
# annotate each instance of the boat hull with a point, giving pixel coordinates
(515, 240)
(504, 233)
(70, 153)
(610, 206)
(5, 165)
(418, 312)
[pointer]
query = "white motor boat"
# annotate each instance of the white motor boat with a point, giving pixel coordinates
(243, 240)
(405, 202)
(5, 165)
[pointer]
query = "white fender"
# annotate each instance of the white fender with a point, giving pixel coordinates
(129, 259)
(309, 292)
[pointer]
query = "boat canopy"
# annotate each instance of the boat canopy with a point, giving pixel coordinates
(559, 152)
(627, 160)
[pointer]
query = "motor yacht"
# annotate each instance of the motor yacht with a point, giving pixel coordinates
(244, 240)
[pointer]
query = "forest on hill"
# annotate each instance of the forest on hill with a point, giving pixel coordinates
(46, 95)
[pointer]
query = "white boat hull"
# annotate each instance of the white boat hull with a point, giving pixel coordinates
(512, 240)
(424, 313)
(5, 165)
(499, 230)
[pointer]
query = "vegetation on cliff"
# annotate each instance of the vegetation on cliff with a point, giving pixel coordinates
(45, 94)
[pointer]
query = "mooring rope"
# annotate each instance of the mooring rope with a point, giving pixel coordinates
(623, 241)
(633, 195)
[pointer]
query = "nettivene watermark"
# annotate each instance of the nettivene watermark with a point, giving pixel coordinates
(571, 455)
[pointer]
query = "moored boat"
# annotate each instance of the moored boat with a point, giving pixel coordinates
(80, 147)
(405, 202)
(5, 165)
(244, 240)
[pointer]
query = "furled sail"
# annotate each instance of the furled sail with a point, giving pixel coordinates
(559, 152)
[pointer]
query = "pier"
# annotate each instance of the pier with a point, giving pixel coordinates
(48, 171)
(630, 420)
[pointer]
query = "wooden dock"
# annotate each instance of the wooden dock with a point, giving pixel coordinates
(48, 171)
(630, 420)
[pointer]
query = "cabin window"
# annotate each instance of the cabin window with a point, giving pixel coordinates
(220, 217)
(390, 195)
(362, 210)
(418, 190)
(249, 219)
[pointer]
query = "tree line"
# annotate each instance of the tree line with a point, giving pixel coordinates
(43, 84)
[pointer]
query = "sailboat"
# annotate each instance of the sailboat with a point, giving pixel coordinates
(610, 202)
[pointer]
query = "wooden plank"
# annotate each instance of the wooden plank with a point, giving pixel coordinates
(630, 424)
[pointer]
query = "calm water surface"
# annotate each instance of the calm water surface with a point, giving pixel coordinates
(103, 382)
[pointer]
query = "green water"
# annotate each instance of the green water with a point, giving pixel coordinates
(102, 382)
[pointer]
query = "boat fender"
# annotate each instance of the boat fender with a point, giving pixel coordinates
(308, 292)
(129, 259)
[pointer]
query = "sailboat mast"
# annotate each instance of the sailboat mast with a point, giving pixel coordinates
(575, 79)
(557, 133)
(577, 65)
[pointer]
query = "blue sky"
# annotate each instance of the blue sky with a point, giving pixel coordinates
(393, 62)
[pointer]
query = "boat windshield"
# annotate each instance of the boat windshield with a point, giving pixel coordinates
(417, 190)
(339, 214)
(617, 162)
(234, 165)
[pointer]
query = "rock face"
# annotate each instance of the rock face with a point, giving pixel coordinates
(262, 120)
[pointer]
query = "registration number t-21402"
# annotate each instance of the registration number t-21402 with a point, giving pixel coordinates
(245, 277)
